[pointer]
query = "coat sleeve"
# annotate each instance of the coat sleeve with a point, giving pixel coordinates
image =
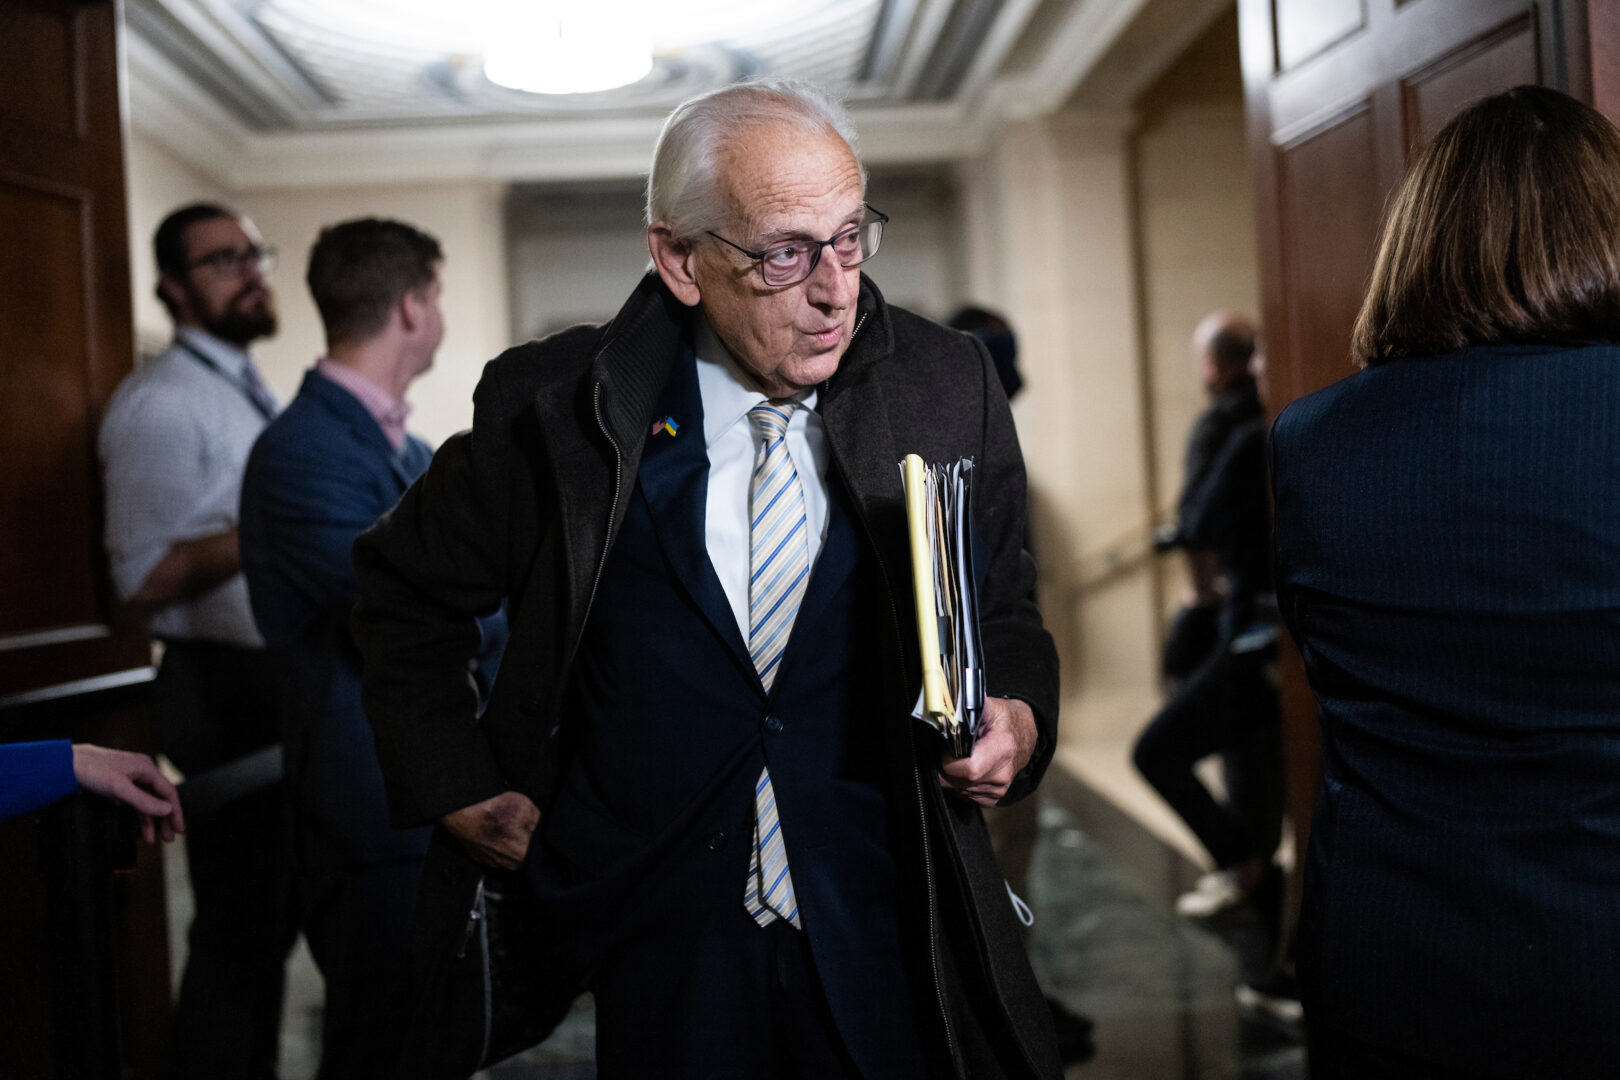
(34, 774)
(426, 572)
(303, 505)
(1020, 659)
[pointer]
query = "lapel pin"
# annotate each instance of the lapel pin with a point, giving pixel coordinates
(666, 424)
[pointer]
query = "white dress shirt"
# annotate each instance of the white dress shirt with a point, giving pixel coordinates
(728, 393)
(173, 445)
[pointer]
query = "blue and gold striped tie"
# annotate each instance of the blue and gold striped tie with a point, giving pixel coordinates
(778, 569)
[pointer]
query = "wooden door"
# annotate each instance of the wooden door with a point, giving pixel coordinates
(1603, 18)
(77, 953)
(1340, 95)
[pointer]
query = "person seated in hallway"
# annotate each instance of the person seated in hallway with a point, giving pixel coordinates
(36, 774)
(750, 852)
(1448, 559)
(1013, 828)
(1218, 654)
(333, 462)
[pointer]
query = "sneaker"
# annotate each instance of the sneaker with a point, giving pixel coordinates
(1212, 894)
(1273, 1002)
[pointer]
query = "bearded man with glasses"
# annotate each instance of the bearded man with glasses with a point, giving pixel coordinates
(697, 790)
(173, 446)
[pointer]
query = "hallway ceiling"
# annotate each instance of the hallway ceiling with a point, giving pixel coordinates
(294, 92)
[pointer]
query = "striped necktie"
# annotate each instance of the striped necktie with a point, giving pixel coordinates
(778, 569)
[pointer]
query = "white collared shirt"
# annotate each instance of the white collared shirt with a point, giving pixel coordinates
(173, 445)
(728, 393)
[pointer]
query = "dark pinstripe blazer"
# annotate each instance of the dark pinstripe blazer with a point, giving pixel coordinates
(1448, 559)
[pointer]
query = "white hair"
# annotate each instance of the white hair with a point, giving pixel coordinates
(682, 188)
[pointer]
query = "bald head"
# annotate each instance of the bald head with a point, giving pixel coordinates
(1223, 345)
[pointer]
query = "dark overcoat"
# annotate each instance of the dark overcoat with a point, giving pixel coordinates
(1448, 559)
(524, 508)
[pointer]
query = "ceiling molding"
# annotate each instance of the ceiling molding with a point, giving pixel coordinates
(1154, 41)
(1088, 30)
(920, 43)
(168, 103)
(169, 106)
(1004, 33)
(534, 150)
(227, 52)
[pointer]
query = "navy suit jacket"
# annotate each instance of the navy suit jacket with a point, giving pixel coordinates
(1448, 558)
(319, 476)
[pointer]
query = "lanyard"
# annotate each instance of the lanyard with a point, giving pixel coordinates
(243, 385)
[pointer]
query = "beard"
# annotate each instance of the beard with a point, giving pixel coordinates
(249, 316)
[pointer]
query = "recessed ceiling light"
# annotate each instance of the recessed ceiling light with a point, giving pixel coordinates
(544, 49)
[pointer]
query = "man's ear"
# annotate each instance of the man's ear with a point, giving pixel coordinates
(411, 307)
(171, 293)
(676, 262)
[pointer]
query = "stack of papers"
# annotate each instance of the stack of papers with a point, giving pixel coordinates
(940, 519)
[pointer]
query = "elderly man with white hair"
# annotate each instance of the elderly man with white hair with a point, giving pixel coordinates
(697, 790)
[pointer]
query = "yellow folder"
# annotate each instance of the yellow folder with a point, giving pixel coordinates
(938, 519)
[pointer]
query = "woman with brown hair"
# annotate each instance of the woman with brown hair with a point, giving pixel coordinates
(1448, 559)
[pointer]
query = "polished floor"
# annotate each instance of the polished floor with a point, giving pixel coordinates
(1105, 942)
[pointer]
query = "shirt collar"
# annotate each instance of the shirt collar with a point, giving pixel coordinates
(229, 358)
(728, 390)
(389, 411)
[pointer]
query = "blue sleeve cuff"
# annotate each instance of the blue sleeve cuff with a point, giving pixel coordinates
(34, 774)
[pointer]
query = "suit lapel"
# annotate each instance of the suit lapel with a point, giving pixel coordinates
(674, 481)
(834, 563)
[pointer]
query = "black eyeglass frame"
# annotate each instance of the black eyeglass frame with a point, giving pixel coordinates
(758, 257)
(261, 255)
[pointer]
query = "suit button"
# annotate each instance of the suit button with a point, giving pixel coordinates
(716, 841)
(773, 723)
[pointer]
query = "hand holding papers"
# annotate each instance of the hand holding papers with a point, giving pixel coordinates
(939, 516)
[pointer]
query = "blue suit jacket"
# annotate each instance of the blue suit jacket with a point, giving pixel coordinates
(319, 476)
(1448, 558)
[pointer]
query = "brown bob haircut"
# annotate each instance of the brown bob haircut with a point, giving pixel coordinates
(358, 270)
(1505, 230)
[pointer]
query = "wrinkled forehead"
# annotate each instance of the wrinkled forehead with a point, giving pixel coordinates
(782, 175)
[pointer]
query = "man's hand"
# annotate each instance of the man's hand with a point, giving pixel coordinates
(1005, 744)
(496, 831)
(133, 779)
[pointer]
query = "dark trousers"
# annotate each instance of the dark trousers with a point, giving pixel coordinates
(213, 704)
(1226, 706)
(357, 923)
(764, 1014)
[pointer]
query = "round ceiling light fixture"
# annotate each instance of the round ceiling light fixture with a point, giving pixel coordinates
(567, 48)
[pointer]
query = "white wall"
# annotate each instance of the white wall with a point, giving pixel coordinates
(465, 217)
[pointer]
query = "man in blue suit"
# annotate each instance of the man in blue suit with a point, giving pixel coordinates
(329, 466)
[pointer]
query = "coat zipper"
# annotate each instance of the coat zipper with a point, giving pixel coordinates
(476, 921)
(930, 888)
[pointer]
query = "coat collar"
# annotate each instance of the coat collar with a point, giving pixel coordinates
(348, 408)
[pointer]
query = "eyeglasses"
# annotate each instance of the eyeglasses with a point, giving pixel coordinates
(261, 257)
(791, 263)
